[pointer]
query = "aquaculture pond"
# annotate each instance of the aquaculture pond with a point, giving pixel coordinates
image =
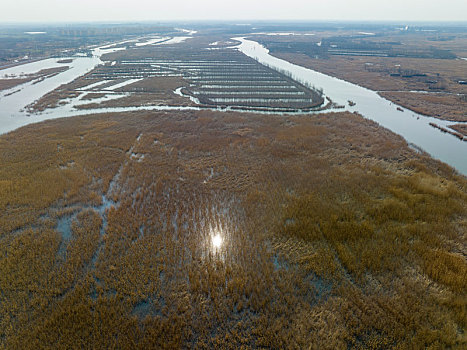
(226, 80)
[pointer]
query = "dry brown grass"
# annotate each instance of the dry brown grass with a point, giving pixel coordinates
(155, 85)
(443, 106)
(43, 74)
(336, 235)
(377, 77)
(53, 98)
(6, 84)
(462, 128)
(150, 91)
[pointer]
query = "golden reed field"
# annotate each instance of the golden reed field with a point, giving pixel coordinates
(229, 231)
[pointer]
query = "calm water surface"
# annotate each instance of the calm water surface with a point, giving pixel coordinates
(13, 101)
(412, 126)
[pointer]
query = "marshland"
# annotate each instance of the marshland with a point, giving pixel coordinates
(190, 191)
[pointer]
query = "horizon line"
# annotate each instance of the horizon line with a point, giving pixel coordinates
(236, 20)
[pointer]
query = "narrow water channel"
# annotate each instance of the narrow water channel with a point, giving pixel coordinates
(13, 101)
(413, 127)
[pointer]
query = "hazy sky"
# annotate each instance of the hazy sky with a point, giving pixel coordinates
(133, 10)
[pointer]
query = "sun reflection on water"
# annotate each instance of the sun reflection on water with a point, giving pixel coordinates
(217, 241)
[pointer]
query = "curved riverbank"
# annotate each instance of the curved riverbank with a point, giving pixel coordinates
(415, 128)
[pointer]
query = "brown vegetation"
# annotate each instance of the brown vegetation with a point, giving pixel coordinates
(461, 128)
(448, 130)
(336, 235)
(65, 91)
(381, 74)
(150, 91)
(205, 75)
(442, 106)
(6, 84)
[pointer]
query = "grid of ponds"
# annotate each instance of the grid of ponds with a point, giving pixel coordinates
(222, 78)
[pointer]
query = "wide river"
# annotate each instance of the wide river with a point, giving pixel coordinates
(413, 127)
(13, 101)
(13, 113)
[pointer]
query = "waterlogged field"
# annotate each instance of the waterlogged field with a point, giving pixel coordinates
(204, 227)
(227, 230)
(207, 76)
